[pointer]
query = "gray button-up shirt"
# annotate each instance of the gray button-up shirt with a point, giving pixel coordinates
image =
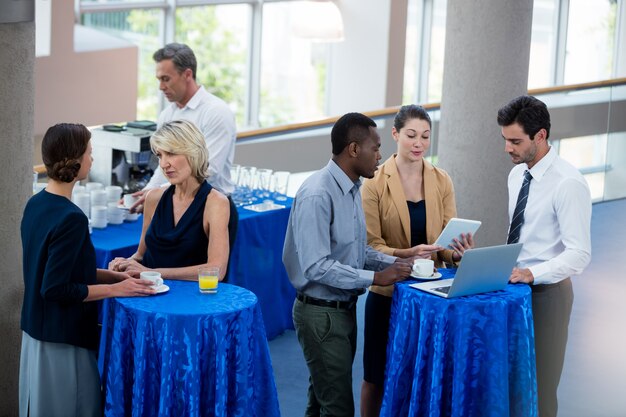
(326, 251)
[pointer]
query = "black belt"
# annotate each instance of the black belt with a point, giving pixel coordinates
(326, 303)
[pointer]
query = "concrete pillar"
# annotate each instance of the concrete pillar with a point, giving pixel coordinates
(17, 58)
(486, 65)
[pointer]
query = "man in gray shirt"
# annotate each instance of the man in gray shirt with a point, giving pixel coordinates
(330, 264)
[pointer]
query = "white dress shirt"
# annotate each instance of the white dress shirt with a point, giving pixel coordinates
(557, 220)
(217, 123)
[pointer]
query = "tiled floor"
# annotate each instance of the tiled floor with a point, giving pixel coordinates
(594, 378)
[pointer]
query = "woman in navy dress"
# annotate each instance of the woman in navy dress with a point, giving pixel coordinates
(185, 226)
(58, 370)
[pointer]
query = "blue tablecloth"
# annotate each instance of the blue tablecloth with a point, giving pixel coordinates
(255, 262)
(116, 240)
(183, 353)
(467, 356)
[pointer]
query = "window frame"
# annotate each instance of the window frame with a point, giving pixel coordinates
(167, 32)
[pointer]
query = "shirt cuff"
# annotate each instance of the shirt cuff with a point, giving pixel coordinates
(366, 278)
(388, 259)
(540, 273)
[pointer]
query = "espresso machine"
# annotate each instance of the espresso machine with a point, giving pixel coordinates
(122, 155)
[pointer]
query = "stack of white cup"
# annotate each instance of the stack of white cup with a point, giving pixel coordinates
(90, 186)
(115, 215)
(82, 200)
(114, 193)
(98, 198)
(99, 216)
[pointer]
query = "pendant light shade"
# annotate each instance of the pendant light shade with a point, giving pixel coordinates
(317, 20)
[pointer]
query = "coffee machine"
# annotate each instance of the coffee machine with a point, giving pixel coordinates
(135, 170)
(122, 155)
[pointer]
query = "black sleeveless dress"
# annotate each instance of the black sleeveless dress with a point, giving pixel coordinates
(169, 246)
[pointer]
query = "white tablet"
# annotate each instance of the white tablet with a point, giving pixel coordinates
(454, 228)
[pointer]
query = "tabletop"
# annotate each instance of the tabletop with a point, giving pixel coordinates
(186, 353)
(466, 356)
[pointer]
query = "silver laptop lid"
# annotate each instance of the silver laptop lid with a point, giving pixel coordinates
(485, 269)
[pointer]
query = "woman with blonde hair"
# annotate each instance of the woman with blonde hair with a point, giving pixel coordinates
(185, 226)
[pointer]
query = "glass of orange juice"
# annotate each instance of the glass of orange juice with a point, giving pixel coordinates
(208, 277)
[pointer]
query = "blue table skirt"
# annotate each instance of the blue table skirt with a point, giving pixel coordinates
(468, 356)
(186, 353)
(255, 262)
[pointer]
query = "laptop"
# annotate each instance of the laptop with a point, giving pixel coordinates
(481, 270)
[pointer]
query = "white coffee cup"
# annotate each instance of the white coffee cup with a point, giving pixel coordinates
(129, 200)
(423, 267)
(114, 192)
(90, 186)
(152, 276)
(131, 217)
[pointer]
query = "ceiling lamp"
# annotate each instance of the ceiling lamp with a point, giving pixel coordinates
(317, 20)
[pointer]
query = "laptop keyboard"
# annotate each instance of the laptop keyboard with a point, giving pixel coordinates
(442, 289)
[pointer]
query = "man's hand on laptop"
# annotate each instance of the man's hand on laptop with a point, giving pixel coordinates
(395, 272)
(521, 275)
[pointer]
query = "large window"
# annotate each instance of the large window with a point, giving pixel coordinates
(141, 27)
(219, 36)
(572, 41)
(293, 71)
(249, 56)
(425, 43)
(590, 40)
(283, 81)
(543, 44)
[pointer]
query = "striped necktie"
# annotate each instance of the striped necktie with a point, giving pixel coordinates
(518, 214)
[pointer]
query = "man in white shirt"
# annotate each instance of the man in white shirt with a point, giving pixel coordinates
(550, 213)
(176, 71)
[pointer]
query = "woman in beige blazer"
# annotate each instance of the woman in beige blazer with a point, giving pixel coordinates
(407, 204)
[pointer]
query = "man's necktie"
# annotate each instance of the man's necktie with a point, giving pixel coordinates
(518, 214)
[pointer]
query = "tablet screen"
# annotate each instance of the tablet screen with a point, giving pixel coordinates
(454, 228)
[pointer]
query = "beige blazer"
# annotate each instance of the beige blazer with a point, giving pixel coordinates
(387, 214)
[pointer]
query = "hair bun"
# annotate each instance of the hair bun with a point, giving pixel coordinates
(65, 170)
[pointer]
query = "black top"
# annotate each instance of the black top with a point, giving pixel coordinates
(417, 213)
(59, 262)
(169, 246)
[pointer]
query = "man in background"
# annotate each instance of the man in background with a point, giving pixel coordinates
(550, 213)
(176, 71)
(330, 264)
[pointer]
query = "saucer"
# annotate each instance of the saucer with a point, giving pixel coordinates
(121, 207)
(162, 289)
(436, 275)
(261, 207)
